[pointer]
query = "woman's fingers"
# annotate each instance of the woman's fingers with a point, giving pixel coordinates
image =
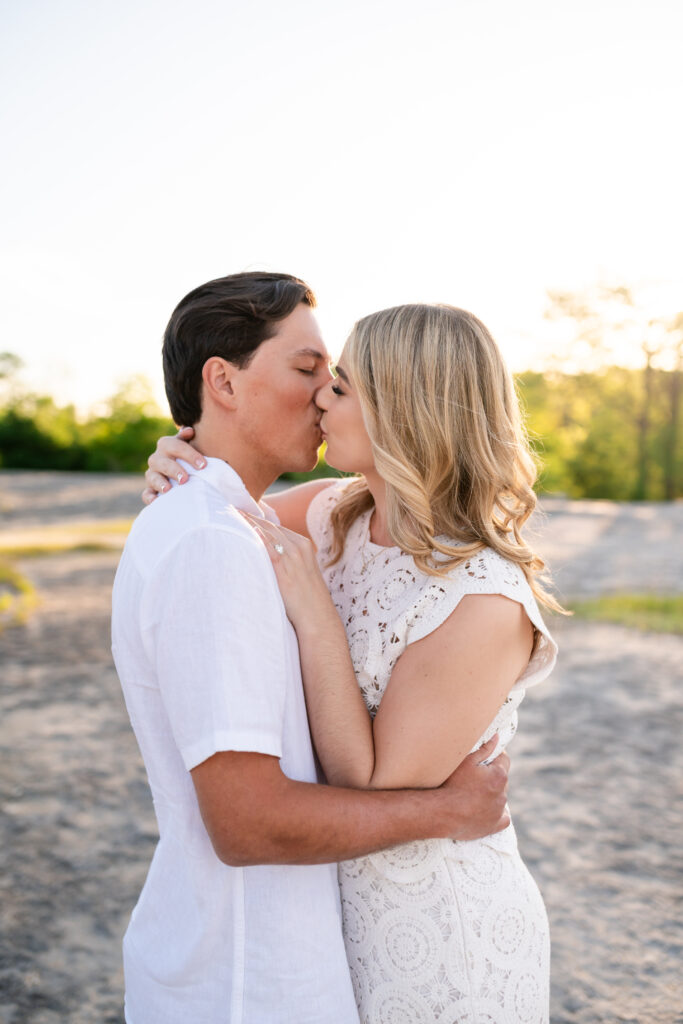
(163, 464)
(281, 544)
(169, 450)
(267, 530)
(280, 534)
(157, 482)
(162, 469)
(303, 589)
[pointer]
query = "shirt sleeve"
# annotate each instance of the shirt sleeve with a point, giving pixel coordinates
(216, 633)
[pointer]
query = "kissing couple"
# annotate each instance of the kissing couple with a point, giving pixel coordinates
(323, 684)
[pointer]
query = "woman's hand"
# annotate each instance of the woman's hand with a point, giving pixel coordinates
(340, 723)
(304, 593)
(163, 464)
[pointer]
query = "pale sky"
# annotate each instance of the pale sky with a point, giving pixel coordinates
(476, 152)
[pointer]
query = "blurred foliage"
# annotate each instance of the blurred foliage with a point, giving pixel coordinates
(35, 433)
(586, 431)
(620, 430)
(126, 433)
(17, 596)
(608, 433)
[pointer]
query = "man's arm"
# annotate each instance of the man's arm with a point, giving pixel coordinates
(254, 814)
(218, 638)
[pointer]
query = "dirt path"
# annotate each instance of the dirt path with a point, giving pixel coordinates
(598, 768)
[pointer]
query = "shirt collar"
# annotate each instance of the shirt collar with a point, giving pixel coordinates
(223, 478)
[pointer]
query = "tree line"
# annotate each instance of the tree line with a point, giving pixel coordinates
(37, 433)
(606, 434)
(606, 431)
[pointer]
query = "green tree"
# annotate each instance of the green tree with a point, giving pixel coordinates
(35, 433)
(673, 448)
(121, 438)
(646, 430)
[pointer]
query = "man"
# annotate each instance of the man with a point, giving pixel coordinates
(239, 919)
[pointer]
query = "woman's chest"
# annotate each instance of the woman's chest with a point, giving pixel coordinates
(375, 594)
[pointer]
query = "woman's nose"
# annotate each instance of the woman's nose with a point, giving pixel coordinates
(321, 397)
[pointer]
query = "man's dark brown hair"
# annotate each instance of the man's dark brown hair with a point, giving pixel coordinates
(229, 317)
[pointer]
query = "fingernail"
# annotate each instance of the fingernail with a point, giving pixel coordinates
(180, 478)
(200, 463)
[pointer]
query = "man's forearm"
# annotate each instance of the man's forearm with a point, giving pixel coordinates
(320, 824)
(254, 814)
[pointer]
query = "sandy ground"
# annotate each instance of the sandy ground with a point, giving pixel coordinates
(596, 788)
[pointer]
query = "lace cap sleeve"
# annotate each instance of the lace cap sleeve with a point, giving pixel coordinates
(485, 573)
(318, 514)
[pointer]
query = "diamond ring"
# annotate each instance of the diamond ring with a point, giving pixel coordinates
(279, 548)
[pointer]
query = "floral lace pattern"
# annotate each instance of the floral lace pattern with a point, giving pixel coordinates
(436, 930)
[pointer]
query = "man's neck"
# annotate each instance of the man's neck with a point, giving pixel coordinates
(255, 478)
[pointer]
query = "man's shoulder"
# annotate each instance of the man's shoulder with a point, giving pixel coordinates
(178, 518)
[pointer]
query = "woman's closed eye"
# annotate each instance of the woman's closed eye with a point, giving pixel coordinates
(337, 390)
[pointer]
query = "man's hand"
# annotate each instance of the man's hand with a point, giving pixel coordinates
(477, 793)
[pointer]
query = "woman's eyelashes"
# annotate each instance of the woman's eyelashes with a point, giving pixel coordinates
(337, 390)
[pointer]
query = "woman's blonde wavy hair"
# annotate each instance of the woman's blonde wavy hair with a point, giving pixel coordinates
(443, 417)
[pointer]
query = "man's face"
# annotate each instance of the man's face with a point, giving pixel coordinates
(278, 415)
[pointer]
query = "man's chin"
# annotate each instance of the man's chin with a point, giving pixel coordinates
(306, 462)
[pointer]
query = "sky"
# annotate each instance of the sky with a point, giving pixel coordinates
(476, 152)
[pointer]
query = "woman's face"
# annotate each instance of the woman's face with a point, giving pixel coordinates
(343, 429)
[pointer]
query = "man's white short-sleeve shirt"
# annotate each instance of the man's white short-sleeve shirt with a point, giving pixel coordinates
(208, 662)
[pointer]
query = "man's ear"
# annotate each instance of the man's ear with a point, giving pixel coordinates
(218, 378)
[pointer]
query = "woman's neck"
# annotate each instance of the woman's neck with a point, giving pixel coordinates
(378, 521)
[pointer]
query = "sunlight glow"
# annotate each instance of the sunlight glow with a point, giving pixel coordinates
(478, 153)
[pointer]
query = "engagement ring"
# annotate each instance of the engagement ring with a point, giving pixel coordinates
(279, 548)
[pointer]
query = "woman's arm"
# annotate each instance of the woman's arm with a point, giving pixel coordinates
(447, 688)
(291, 505)
(443, 693)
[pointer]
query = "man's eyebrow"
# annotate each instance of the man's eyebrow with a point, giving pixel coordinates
(313, 353)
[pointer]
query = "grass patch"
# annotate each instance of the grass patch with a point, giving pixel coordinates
(17, 596)
(67, 547)
(656, 613)
(32, 542)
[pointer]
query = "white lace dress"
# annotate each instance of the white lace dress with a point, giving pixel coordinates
(435, 930)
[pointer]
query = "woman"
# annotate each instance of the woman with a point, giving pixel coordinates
(419, 633)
